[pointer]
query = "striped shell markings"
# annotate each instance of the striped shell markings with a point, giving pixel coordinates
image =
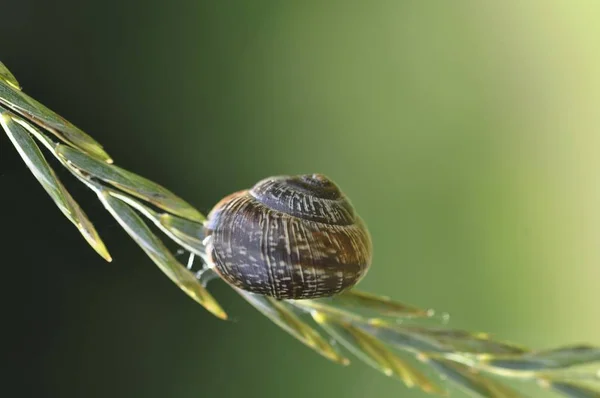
(289, 237)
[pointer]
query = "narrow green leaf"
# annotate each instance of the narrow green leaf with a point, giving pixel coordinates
(189, 232)
(429, 339)
(370, 305)
(184, 232)
(37, 113)
(280, 314)
(471, 380)
(404, 338)
(374, 353)
(574, 389)
(36, 162)
(551, 359)
(467, 342)
(158, 252)
(421, 339)
(8, 77)
(129, 182)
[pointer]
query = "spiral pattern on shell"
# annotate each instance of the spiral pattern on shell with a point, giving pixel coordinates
(289, 237)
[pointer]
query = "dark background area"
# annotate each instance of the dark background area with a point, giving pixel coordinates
(465, 135)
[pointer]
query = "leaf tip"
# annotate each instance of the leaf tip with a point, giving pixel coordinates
(219, 313)
(205, 299)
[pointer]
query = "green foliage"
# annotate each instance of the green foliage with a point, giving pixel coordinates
(389, 336)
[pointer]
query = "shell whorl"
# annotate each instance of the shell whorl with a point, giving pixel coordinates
(310, 197)
(290, 238)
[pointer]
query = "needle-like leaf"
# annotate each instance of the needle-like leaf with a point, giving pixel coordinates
(8, 77)
(551, 359)
(158, 252)
(35, 160)
(471, 380)
(129, 182)
(376, 354)
(284, 317)
(172, 226)
(438, 340)
(467, 342)
(37, 113)
(373, 306)
(574, 389)
(404, 339)
(189, 232)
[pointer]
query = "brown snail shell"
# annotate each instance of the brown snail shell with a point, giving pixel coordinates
(289, 237)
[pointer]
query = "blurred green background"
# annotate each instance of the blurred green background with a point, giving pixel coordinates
(466, 134)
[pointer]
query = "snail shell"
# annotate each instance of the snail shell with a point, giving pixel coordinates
(289, 237)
